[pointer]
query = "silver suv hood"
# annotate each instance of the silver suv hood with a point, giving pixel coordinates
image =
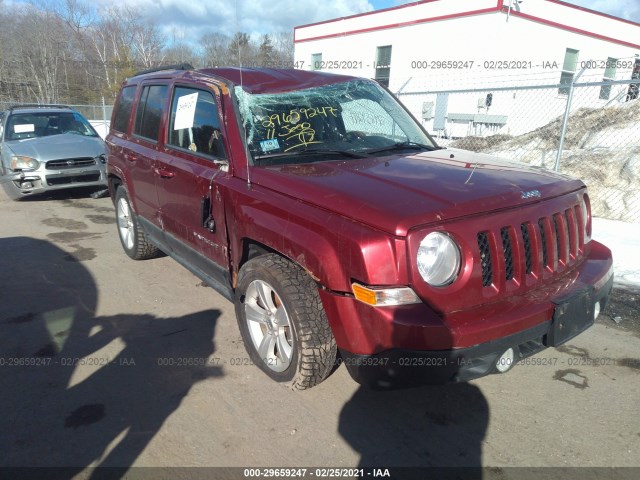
(66, 145)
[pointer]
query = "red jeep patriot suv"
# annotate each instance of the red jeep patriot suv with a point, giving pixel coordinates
(340, 230)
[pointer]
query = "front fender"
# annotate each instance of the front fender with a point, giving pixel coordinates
(334, 250)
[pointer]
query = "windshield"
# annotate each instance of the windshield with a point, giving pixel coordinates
(43, 124)
(353, 119)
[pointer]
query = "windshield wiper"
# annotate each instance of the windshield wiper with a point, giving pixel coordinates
(405, 146)
(313, 151)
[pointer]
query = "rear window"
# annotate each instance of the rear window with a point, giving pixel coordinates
(123, 110)
(149, 111)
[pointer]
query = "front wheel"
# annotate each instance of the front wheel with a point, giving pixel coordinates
(283, 324)
(132, 236)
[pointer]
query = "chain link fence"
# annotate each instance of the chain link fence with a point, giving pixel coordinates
(589, 130)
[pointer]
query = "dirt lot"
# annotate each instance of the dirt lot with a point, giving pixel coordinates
(137, 364)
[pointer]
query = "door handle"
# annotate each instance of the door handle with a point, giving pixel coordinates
(164, 173)
(130, 157)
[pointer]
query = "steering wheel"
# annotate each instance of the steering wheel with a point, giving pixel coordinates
(355, 136)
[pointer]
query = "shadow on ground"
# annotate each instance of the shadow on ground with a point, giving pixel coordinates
(81, 390)
(433, 426)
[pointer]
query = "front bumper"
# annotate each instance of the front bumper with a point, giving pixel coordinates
(41, 181)
(414, 345)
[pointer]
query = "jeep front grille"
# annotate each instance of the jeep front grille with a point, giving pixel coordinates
(70, 163)
(531, 248)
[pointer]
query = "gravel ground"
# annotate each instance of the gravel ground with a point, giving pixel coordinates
(140, 366)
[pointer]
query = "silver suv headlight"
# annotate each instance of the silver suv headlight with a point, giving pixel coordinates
(438, 259)
(19, 162)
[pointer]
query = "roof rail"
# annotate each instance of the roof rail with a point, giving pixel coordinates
(179, 66)
(37, 105)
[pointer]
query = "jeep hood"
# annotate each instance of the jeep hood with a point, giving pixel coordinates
(57, 147)
(399, 192)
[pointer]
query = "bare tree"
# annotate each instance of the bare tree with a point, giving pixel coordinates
(73, 51)
(266, 54)
(181, 53)
(215, 49)
(39, 47)
(241, 50)
(147, 42)
(284, 47)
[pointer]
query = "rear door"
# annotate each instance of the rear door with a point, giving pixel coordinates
(144, 149)
(188, 171)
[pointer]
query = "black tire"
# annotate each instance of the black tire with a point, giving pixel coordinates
(306, 327)
(132, 236)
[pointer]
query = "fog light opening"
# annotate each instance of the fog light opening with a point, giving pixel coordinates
(26, 185)
(596, 310)
(506, 360)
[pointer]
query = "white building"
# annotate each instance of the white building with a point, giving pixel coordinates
(448, 45)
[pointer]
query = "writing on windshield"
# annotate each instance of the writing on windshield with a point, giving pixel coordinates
(295, 125)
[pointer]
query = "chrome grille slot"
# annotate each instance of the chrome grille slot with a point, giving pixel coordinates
(70, 163)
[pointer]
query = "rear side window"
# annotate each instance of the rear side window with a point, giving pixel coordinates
(123, 110)
(149, 111)
(194, 123)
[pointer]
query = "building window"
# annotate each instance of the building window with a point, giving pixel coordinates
(609, 74)
(568, 70)
(383, 65)
(316, 61)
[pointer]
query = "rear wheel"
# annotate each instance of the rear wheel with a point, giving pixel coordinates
(282, 322)
(132, 236)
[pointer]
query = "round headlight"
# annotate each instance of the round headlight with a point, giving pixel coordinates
(438, 259)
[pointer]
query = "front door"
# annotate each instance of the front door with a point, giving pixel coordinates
(187, 174)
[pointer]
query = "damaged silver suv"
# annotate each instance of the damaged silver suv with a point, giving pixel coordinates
(48, 147)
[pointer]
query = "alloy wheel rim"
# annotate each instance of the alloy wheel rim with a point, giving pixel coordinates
(125, 223)
(269, 325)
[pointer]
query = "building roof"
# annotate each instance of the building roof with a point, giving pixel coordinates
(565, 16)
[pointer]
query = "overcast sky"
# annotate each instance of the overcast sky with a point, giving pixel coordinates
(188, 19)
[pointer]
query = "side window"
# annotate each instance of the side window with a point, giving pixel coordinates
(194, 123)
(149, 112)
(123, 110)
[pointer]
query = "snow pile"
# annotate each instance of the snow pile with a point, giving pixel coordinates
(601, 147)
(624, 241)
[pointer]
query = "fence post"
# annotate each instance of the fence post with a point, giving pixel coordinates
(104, 113)
(565, 120)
